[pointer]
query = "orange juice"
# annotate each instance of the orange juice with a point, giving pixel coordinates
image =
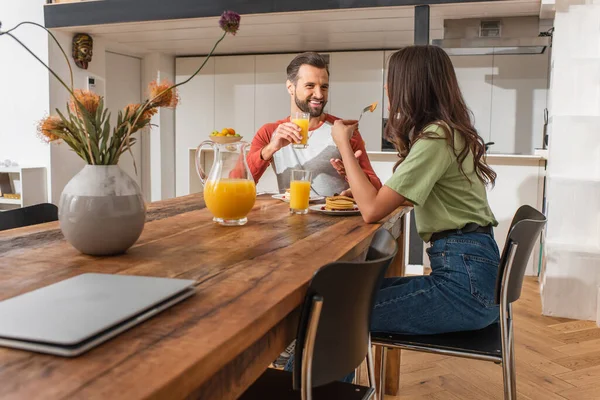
(230, 199)
(303, 124)
(299, 195)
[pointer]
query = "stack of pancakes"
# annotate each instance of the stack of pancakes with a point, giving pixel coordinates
(339, 203)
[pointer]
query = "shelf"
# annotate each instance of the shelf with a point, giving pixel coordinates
(10, 170)
(10, 201)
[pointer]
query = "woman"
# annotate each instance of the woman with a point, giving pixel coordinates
(442, 173)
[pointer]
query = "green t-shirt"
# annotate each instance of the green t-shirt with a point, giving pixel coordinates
(444, 199)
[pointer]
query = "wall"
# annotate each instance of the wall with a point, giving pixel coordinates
(65, 163)
(571, 279)
(24, 82)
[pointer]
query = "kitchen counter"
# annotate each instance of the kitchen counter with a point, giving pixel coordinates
(542, 155)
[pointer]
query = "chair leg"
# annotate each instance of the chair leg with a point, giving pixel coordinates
(508, 356)
(513, 370)
(381, 386)
(371, 367)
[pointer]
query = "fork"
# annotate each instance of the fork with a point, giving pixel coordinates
(370, 108)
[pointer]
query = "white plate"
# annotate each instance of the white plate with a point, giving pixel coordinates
(312, 198)
(318, 208)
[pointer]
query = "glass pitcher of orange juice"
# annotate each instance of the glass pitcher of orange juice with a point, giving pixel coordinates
(229, 190)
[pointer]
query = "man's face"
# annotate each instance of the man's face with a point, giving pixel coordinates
(311, 90)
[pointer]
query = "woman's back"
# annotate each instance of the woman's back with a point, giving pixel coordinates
(444, 196)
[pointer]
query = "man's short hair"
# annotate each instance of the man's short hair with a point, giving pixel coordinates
(308, 58)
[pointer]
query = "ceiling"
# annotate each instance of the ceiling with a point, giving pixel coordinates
(348, 29)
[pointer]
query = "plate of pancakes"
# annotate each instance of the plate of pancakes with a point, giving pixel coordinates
(337, 205)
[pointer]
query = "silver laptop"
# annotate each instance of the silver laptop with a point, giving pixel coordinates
(70, 317)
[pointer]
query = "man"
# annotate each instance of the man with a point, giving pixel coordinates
(308, 86)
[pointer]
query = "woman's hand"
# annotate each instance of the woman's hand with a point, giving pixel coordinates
(342, 131)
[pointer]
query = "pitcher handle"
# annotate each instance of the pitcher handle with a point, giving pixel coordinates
(201, 173)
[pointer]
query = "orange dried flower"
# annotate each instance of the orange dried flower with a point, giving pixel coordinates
(169, 99)
(89, 100)
(48, 126)
(131, 109)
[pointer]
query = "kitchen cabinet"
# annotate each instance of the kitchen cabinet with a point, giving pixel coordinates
(357, 81)
(195, 115)
(234, 100)
(520, 85)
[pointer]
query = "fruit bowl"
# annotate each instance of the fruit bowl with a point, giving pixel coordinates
(225, 139)
(226, 136)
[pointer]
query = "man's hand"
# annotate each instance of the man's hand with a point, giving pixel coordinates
(339, 164)
(285, 134)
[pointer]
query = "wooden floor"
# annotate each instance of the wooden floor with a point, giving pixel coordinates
(556, 358)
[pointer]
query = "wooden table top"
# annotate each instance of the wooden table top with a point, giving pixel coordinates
(249, 279)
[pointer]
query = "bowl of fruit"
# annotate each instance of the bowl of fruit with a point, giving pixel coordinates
(225, 136)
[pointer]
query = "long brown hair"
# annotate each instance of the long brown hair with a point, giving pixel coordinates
(423, 90)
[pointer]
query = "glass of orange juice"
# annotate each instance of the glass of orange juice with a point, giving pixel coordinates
(301, 119)
(300, 191)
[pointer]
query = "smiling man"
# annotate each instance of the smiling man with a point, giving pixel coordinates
(308, 86)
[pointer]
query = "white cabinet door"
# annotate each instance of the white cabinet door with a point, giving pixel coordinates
(474, 74)
(195, 116)
(234, 94)
(357, 81)
(520, 85)
(271, 97)
(123, 87)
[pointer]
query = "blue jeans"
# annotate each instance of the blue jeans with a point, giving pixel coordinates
(458, 295)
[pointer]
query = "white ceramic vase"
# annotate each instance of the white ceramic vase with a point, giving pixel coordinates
(102, 211)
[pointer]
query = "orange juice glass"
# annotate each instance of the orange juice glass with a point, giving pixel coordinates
(300, 191)
(230, 200)
(301, 119)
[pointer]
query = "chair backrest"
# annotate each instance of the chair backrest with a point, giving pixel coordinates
(30, 215)
(525, 228)
(348, 291)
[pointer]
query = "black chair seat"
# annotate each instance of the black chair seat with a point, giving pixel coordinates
(276, 384)
(483, 342)
(30, 215)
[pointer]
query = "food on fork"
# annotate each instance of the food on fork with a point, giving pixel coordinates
(339, 203)
(370, 108)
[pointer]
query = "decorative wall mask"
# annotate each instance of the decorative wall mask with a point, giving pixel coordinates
(82, 49)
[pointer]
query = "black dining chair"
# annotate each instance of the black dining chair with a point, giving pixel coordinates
(30, 215)
(496, 342)
(333, 331)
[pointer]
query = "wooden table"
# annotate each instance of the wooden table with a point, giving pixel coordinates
(251, 281)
